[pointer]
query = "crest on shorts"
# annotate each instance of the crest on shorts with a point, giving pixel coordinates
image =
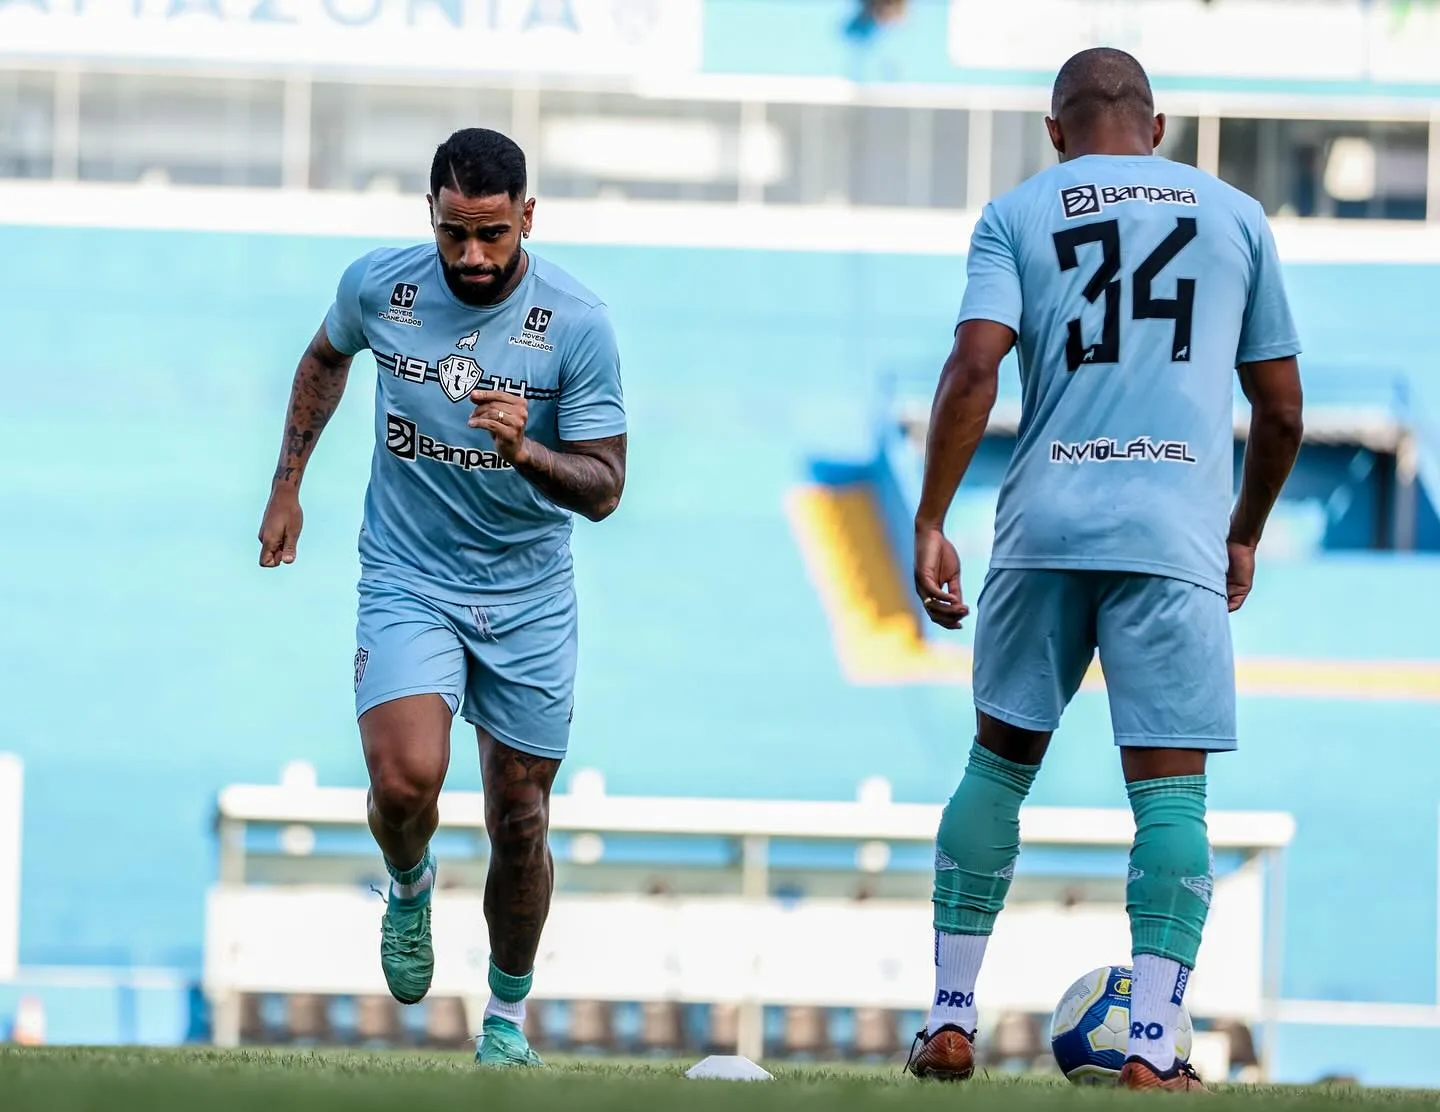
(362, 656)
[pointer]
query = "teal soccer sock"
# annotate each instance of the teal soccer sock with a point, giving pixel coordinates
(1168, 893)
(413, 885)
(1168, 899)
(978, 843)
(507, 994)
(975, 853)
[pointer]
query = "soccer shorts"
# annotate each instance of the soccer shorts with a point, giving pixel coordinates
(1164, 644)
(511, 667)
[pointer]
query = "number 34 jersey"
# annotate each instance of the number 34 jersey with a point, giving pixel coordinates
(1135, 286)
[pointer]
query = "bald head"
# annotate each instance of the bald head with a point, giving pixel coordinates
(1101, 95)
(1101, 84)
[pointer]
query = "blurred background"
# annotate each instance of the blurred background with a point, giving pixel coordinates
(775, 198)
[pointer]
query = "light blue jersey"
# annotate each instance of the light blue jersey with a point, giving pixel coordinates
(1136, 286)
(445, 515)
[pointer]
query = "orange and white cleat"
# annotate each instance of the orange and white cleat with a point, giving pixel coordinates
(1180, 1078)
(947, 1055)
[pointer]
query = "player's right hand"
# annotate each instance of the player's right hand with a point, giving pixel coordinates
(1241, 576)
(937, 578)
(280, 527)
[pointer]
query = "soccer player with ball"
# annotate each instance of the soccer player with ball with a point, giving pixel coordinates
(1134, 287)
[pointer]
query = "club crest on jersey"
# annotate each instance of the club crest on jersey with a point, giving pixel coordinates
(1088, 200)
(458, 375)
(537, 320)
(402, 305)
(467, 343)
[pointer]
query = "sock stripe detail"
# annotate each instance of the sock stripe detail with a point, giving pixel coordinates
(992, 766)
(1188, 786)
(413, 874)
(507, 987)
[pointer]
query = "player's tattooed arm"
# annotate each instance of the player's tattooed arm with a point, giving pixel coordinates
(584, 476)
(314, 395)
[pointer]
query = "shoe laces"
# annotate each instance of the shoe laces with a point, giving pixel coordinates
(1185, 1069)
(915, 1047)
(408, 936)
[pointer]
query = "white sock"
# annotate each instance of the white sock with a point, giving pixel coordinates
(417, 888)
(957, 965)
(1155, 998)
(506, 1009)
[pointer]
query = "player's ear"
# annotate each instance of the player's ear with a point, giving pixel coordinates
(528, 218)
(1057, 137)
(430, 204)
(1159, 136)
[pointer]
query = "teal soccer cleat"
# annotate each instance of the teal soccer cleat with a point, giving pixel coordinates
(407, 957)
(502, 1044)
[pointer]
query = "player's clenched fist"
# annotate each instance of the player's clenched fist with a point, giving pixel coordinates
(280, 527)
(503, 416)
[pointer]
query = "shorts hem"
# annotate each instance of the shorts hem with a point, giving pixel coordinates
(1151, 741)
(527, 747)
(1020, 721)
(400, 693)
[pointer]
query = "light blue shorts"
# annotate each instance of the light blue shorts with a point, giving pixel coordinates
(512, 665)
(1164, 644)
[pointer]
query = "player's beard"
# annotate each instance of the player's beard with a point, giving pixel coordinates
(481, 296)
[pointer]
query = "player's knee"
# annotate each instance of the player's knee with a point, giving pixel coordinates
(518, 823)
(401, 793)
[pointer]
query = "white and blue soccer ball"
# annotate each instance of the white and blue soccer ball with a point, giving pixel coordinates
(1090, 1030)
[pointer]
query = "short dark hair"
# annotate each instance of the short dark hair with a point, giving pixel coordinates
(478, 162)
(1098, 83)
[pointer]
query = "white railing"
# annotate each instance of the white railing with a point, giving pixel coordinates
(748, 946)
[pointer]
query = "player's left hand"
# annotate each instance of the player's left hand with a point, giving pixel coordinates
(937, 578)
(503, 416)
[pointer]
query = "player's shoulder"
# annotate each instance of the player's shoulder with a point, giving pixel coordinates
(565, 292)
(381, 265)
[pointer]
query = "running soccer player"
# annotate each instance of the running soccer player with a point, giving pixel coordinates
(1134, 287)
(498, 414)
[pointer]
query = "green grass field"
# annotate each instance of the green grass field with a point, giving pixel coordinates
(53, 1079)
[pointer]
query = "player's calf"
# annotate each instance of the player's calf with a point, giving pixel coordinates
(517, 892)
(975, 852)
(1168, 900)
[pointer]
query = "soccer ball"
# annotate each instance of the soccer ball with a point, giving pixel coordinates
(1090, 1030)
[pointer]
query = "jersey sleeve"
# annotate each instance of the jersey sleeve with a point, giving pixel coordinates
(1268, 330)
(992, 274)
(345, 322)
(592, 403)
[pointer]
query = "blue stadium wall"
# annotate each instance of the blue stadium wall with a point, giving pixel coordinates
(146, 661)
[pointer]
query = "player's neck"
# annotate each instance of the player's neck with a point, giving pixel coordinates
(1116, 143)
